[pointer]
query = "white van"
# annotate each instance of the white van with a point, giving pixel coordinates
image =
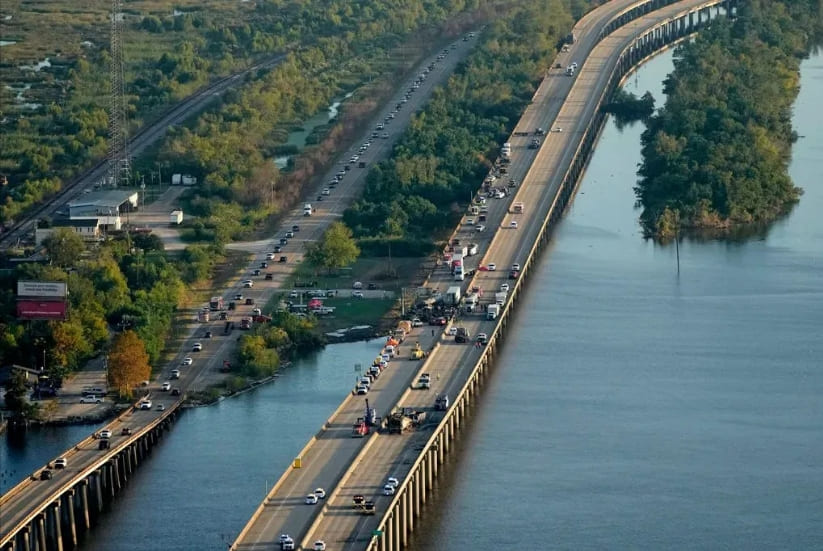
(307, 209)
(459, 276)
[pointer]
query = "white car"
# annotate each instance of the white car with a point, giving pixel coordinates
(287, 544)
(326, 191)
(269, 256)
(105, 433)
(362, 389)
(357, 294)
(90, 399)
(320, 545)
(388, 490)
(145, 404)
(513, 224)
(166, 386)
(311, 499)
(504, 287)
(187, 361)
(492, 266)
(320, 493)
(197, 347)
(247, 283)
(392, 481)
(470, 221)
(557, 129)
(417, 323)
(452, 331)
(61, 463)
(480, 228)
(516, 267)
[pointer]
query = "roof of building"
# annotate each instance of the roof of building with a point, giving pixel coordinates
(107, 199)
(76, 223)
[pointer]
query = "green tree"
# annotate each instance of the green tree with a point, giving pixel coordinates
(336, 249)
(64, 247)
(128, 363)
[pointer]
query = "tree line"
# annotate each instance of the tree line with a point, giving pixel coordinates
(335, 43)
(715, 157)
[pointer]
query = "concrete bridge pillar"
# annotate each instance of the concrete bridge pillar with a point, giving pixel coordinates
(396, 529)
(84, 504)
(55, 532)
(40, 530)
(71, 526)
(403, 506)
(416, 483)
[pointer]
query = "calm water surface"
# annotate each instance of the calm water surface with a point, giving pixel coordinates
(635, 409)
(631, 408)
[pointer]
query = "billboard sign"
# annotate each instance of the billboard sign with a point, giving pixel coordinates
(42, 289)
(41, 310)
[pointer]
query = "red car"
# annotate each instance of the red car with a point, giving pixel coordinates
(483, 268)
(438, 321)
(513, 274)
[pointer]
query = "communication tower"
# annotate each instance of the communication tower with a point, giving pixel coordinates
(119, 170)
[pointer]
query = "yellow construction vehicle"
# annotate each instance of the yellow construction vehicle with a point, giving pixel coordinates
(417, 353)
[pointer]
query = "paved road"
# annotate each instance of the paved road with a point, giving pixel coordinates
(285, 511)
(31, 495)
(392, 455)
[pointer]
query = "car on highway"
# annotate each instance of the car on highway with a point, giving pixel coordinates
(440, 321)
(105, 433)
(175, 373)
(388, 490)
(320, 493)
(294, 294)
(357, 294)
(480, 227)
(46, 474)
(295, 228)
(197, 347)
(145, 404)
(513, 224)
(416, 322)
(393, 481)
(165, 387)
(61, 463)
(311, 499)
(491, 266)
(482, 338)
(385, 135)
(516, 267)
(319, 545)
(269, 256)
(452, 331)
(207, 335)
(175, 392)
(277, 249)
(187, 361)
(326, 191)
(362, 389)
(90, 400)
(161, 407)
(287, 544)
(289, 235)
(557, 129)
(247, 283)
(238, 296)
(514, 274)
(284, 241)
(504, 287)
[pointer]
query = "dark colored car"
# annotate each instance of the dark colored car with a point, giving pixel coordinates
(175, 392)
(125, 431)
(283, 241)
(283, 259)
(295, 228)
(46, 474)
(207, 335)
(372, 286)
(249, 301)
(269, 276)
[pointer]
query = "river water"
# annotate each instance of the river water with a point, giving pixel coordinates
(635, 409)
(631, 408)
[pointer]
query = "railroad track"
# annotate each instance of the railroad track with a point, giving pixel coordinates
(144, 137)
